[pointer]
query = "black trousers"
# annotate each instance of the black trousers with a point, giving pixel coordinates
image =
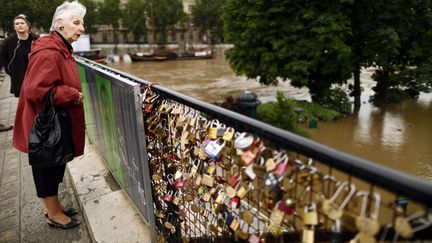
(47, 180)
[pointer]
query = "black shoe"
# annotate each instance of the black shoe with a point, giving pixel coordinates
(69, 212)
(73, 223)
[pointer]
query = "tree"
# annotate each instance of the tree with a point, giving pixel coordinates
(109, 14)
(134, 18)
(400, 43)
(163, 16)
(304, 41)
(10, 9)
(206, 15)
(91, 20)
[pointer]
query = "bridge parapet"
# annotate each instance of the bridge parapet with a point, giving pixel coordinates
(211, 174)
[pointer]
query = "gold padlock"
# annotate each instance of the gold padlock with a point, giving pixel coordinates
(242, 191)
(277, 216)
(234, 224)
(247, 217)
(230, 191)
(308, 235)
(270, 164)
(207, 180)
(310, 215)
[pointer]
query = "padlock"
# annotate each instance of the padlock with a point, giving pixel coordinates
(308, 235)
(241, 192)
(213, 149)
(230, 191)
(368, 225)
(247, 216)
(234, 180)
(249, 171)
(249, 155)
(229, 219)
(201, 190)
(229, 134)
(195, 208)
(198, 180)
(282, 206)
(234, 202)
(169, 196)
(270, 164)
(276, 216)
(220, 131)
(177, 198)
(211, 168)
(253, 238)
(220, 198)
(206, 197)
(275, 230)
(195, 166)
(243, 141)
(180, 183)
(310, 215)
(170, 179)
(207, 180)
(178, 175)
(329, 206)
(213, 129)
(234, 224)
(281, 165)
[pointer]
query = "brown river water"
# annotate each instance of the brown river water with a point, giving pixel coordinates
(398, 136)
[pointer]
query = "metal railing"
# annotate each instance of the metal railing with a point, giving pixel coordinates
(320, 192)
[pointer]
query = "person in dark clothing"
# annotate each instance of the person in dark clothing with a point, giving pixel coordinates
(14, 52)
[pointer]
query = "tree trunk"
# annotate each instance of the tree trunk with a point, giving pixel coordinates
(357, 89)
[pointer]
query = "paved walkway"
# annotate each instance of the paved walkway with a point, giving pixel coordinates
(106, 213)
(21, 218)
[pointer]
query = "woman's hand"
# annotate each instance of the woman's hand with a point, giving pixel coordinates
(80, 99)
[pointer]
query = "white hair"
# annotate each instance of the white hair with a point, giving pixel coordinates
(65, 12)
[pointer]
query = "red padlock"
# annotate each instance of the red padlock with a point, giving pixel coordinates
(169, 196)
(234, 202)
(234, 180)
(285, 208)
(180, 183)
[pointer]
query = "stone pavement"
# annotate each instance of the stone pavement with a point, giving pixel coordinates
(21, 218)
(106, 214)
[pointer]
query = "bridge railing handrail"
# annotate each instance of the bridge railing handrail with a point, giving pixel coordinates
(397, 182)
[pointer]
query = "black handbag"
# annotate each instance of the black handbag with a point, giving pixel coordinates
(50, 140)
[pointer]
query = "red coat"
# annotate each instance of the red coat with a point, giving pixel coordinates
(51, 65)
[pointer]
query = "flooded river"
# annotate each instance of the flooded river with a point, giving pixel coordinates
(398, 136)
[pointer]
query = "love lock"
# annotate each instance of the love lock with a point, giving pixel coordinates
(329, 206)
(243, 141)
(368, 225)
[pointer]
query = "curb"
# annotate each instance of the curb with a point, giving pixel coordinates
(110, 215)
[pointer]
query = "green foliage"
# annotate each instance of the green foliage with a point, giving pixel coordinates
(336, 99)
(164, 15)
(206, 15)
(91, 19)
(316, 111)
(109, 14)
(134, 17)
(279, 113)
(305, 42)
(38, 12)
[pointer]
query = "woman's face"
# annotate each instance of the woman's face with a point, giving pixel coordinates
(20, 26)
(73, 29)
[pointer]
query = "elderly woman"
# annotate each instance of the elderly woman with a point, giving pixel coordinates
(52, 67)
(14, 53)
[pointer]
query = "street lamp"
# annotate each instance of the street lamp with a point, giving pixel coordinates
(297, 110)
